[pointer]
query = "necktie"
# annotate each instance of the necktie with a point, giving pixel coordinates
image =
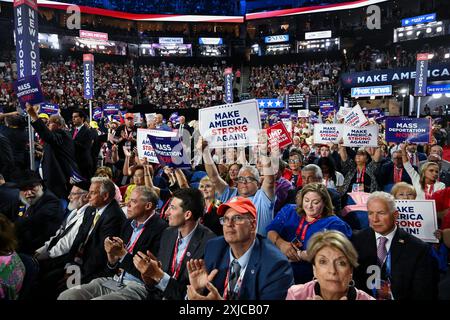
(97, 216)
(234, 275)
(75, 132)
(381, 250)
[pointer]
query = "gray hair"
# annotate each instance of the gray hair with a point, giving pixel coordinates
(56, 118)
(386, 197)
(317, 171)
(335, 239)
(254, 171)
(147, 194)
(106, 186)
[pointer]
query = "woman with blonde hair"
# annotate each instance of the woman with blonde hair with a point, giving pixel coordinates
(403, 191)
(210, 219)
(295, 224)
(333, 258)
(426, 183)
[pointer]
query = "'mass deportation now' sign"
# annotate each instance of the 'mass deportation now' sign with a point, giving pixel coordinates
(408, 129)
(170, 151)
(28, 90)
(231, 125)
(144, 146)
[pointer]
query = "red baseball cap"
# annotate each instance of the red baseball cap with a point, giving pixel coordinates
(240, 204)
(129, 115)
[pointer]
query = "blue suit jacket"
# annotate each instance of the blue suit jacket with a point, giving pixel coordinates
(268, 275)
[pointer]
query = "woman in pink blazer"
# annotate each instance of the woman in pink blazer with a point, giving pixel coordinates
(334, 258)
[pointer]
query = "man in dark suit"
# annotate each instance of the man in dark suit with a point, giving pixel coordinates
(38, 214)
(102, 219)
(241, 265)
(400, 264)
(182, 126)
(392, 171)
(185, 239)
(83, 139)
(141, 232)
(58, 165)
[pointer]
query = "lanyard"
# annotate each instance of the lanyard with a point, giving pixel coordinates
(175, 268)
(429, 192)
(398, 175)
(303, 227)
(360, 175)
(237, 288)
(131, 247)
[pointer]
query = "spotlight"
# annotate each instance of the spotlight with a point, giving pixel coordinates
(430, 56)
(447, 95)
(403, 90)
(447, 55)
(436, 95)
(439, 29)
(428, 30)
(400, 34)
(409, 33)
(378, 60)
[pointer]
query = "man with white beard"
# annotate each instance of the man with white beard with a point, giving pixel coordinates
(38, 214)
(62, 241)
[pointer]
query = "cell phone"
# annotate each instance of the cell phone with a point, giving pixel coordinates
(297, 243)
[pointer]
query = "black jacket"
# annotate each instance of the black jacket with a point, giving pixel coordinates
(176, 289)
(58, 162)
(38, 223)
(148, 240)
(94, 259)
(83, 147)
(413, 272)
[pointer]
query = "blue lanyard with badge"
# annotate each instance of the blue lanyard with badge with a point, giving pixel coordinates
(384, 292)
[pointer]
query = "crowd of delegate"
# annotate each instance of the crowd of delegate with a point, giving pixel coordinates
(283, 227)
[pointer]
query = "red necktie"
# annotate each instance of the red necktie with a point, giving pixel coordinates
(75, 133)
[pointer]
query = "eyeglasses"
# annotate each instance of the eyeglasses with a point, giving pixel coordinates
(294, 161)
(246, 180)
(237, 219)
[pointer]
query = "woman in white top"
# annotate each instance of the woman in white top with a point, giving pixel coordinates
(426, 183)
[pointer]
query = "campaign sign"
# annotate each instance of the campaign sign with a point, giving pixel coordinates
(303, 113)
(228, 85)
(88, 76)
(360, 137)
(327, 133)
(49, 108)
(231, 125)
(144, 146)
(279, 134)
(420, 84)
(413, 130)
(28, 90)
(418, 217)
(438, 88)
(343, 111)
(326, 108)
(27, 38)
(356, 117)
(288, 124)
(111, 109)
(97, 114)
(170, 152)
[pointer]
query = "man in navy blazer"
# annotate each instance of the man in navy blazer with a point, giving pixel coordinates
(241, 265)
(392, 172)
(405, 263)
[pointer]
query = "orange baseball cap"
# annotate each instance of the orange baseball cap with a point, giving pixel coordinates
(240, 204)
